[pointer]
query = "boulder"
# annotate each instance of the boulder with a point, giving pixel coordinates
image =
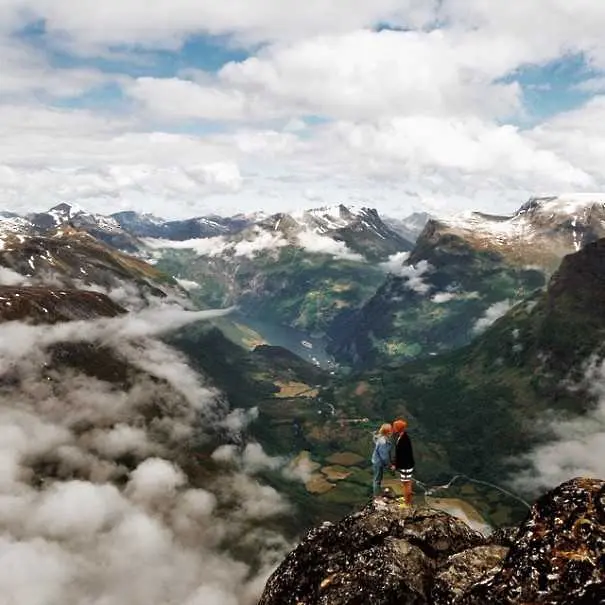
(388, 555)
(385, 556)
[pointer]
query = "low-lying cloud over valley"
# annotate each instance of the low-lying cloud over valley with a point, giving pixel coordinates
(102, 499)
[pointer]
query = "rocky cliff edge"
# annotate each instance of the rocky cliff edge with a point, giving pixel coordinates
(389, 555)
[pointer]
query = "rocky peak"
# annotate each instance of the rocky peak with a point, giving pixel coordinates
(387, 555)
(410, 227)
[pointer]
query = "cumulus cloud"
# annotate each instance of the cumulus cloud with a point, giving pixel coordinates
(412, 274)
(395, 262)
(492, 313)
(574, 446)
(251, 459)
(259, 240)
(18, 340)
(95, 503)
(438, 108)
(313, 242)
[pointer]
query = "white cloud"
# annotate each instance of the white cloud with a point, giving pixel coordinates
(394, 264)
(492, 313)
(207, 246)
(419, 116)
(575, 447)
(18, 340)
(8, 277)
(80, 526)
(313, 242)
(259, 240)
(413, 274)
(187, 284)
(85, 25)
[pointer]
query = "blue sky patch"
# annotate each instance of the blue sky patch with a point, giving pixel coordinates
(202, 52)
(552, 88)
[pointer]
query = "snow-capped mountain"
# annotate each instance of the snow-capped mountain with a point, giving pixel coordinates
(147, 225)
(101, 227)
(540, 232)
(360, 229)
(463, 268)
(72, 249)
(409, 227)
(13, 225)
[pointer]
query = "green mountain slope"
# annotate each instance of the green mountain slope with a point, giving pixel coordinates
(481, 403)
(289, 286)
(443, 289)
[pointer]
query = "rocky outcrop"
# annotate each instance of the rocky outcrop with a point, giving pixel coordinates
(559, 552)
(390, 556)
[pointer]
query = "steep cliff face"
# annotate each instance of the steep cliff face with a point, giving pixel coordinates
(390, 555)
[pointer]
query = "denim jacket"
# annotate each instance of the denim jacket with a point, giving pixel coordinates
(382, 450)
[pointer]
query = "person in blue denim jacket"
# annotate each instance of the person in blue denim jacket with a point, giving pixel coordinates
(381, 456)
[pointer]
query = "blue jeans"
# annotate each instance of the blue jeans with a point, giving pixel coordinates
(378, 474)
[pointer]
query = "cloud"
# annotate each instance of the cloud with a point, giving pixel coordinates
(251, 459)
(18, 340)
(313, 242)
(574, 447)
(412, 275)
(83, 26)
(187, 284)
(492, 313)
(433, 116)
(259, 240)
(94, 502)
(394, 264)
(207, 246)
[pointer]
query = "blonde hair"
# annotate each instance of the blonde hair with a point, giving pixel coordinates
(385, 429)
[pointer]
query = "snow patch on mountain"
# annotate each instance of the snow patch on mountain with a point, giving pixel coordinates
(538, 213)
(13, 225)
(568, 203)
(329, 218)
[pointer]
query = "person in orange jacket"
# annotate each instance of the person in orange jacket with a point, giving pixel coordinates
(404, 458)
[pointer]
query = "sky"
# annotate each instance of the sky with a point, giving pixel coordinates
(182, 107)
